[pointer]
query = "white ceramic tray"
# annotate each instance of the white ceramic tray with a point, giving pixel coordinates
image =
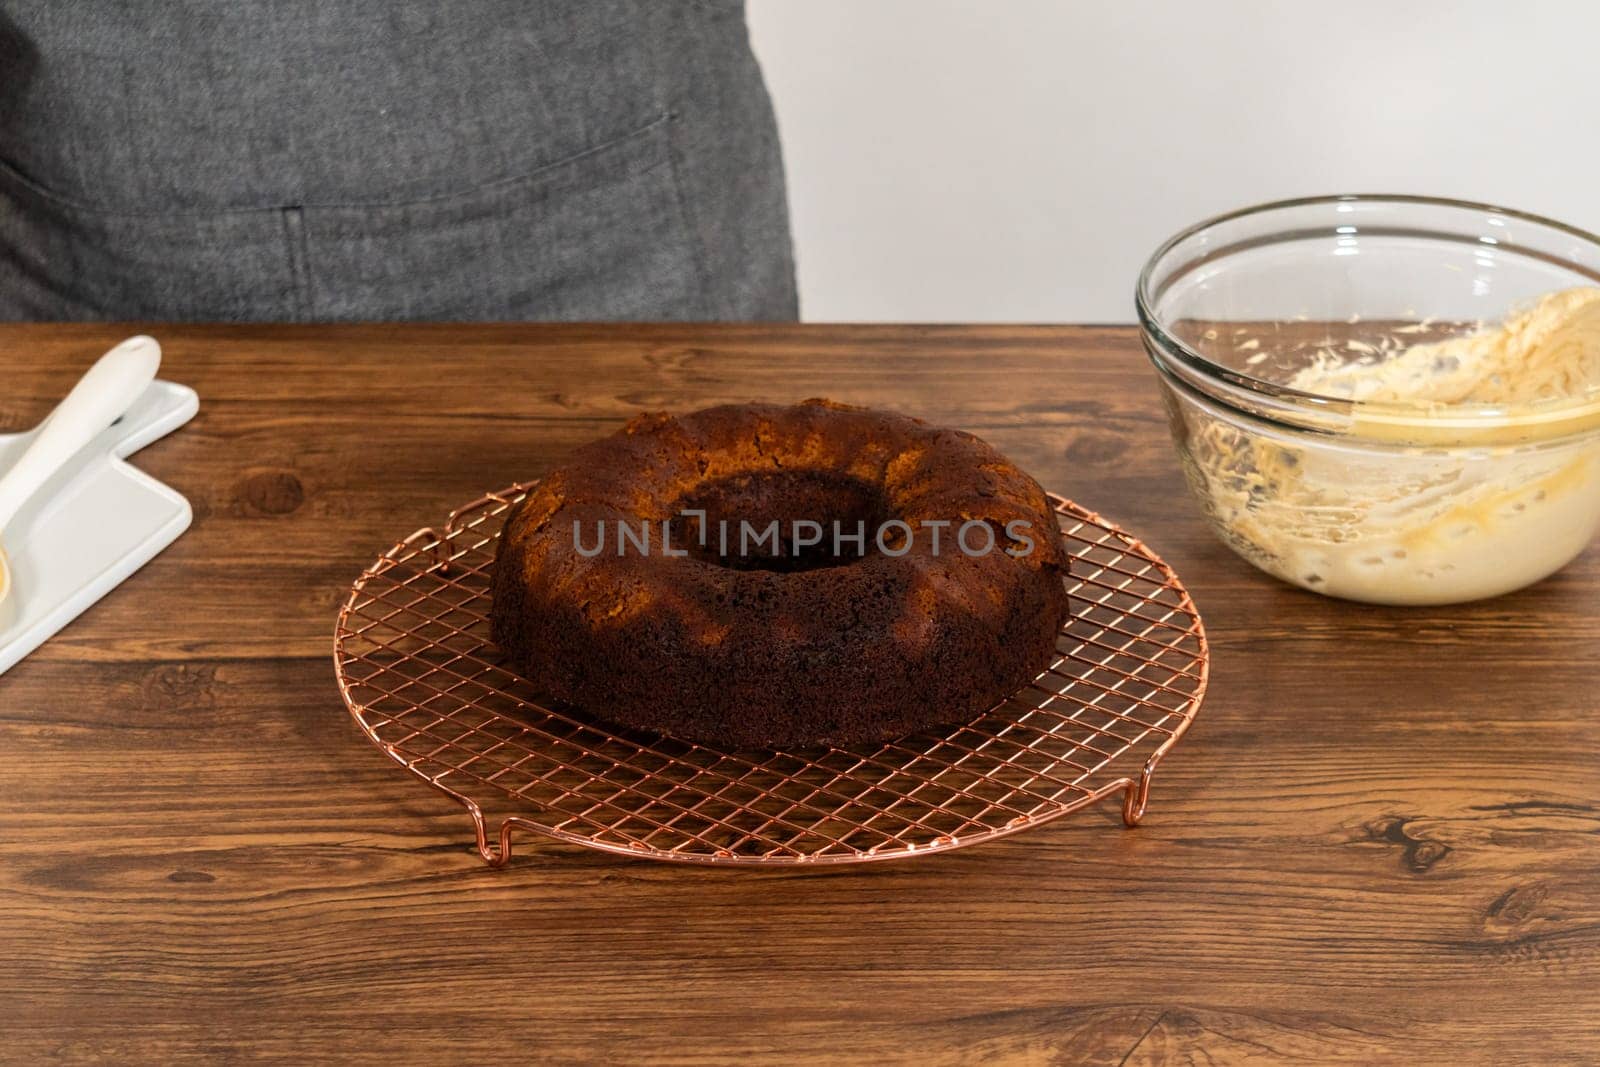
(94, 523)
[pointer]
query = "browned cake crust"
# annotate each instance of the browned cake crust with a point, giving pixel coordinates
(775, 651)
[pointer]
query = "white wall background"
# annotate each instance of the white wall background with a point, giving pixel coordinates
(995, 160)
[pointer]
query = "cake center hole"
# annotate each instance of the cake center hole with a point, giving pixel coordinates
(781, 521)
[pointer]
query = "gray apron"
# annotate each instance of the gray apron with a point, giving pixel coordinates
(320, 160)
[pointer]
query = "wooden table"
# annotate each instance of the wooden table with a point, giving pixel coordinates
(1381, 840)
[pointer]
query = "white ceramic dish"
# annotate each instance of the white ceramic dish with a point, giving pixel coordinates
(93, 524)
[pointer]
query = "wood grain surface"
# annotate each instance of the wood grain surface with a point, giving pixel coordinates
(1380, 843)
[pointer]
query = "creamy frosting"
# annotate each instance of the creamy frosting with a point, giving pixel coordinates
(1358, 514)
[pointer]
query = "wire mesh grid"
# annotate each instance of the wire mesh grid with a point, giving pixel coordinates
(417, 669)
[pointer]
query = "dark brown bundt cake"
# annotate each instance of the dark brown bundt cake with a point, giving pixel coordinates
(739, 633)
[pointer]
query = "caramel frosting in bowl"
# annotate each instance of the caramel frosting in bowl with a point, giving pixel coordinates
(1447, 471)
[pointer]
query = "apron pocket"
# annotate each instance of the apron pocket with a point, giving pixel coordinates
(60, 260)
(601, 235)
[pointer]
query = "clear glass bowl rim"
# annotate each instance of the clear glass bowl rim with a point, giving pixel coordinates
(1550, 418)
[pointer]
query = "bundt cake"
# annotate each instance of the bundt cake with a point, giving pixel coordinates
(767, 576)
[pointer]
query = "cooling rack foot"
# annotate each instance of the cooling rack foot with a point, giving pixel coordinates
(491, 856)
(1137, 796)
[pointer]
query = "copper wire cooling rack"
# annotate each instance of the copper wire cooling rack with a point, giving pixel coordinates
(417, 669)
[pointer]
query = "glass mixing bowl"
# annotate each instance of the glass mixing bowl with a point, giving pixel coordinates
(1392, 502)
